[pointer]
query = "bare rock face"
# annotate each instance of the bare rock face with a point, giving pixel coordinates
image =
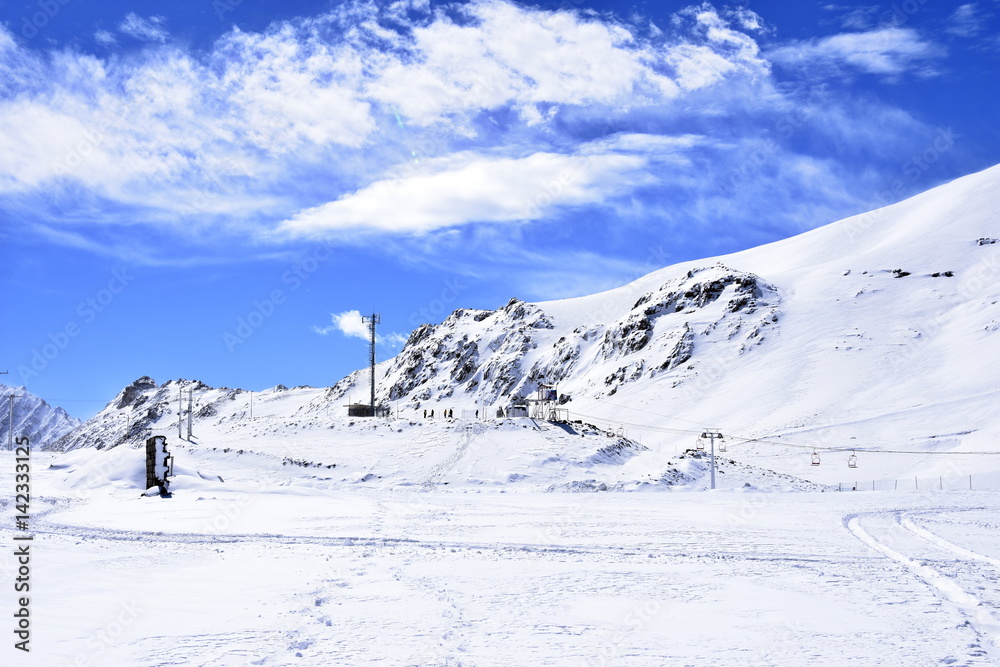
(485, 357)
(134, 392)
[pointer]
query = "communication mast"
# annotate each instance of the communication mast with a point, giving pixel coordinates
(371, 321)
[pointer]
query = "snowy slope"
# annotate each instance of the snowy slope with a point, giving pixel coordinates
(876, 334)
(34, 419)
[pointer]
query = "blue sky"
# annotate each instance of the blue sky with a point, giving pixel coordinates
(210, 189)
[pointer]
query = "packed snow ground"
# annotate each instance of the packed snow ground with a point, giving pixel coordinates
(257, 560)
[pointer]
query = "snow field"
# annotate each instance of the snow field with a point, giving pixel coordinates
(270, 572)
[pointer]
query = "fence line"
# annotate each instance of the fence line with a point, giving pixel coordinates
(939, 483)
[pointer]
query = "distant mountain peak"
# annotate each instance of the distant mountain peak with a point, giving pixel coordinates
(34, 418)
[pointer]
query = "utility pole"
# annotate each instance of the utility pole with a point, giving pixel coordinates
(190, 410)
(371, 321)
(180, 413)
(712, 434)
(11, 425)
(10, 420)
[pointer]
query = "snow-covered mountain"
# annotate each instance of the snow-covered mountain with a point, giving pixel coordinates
(878, 333)
(145, 407)
(880, 330)
(34, 419)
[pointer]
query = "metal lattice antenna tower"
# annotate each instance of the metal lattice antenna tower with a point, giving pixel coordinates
(371, 321)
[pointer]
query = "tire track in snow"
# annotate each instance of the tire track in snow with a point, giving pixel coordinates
(960, 551)
(977, 613)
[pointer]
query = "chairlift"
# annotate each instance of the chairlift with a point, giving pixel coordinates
(700, 444)
(852, 460)
(815, 458)
(722, 444)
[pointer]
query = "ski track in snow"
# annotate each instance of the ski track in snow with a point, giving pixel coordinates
(951, 570)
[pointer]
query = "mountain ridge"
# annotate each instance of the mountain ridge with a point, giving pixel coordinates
(891, 312)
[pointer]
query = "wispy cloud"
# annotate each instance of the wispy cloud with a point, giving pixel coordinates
(966, 21)
(105, 38)
(151, 29)
(890, 52)
(856, 17)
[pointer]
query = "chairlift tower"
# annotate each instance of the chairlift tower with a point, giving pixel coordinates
(371, 321)
(712, 435)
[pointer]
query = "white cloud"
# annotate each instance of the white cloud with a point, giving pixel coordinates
(966, 21)
(505, 54)
(351, 324)
(264, 109)
(374, 121)
(885, 51)
(476, 189)
(293, 90)
(747, 19)
(105, 38)
(150, 29)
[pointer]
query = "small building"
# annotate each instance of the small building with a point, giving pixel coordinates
(365, 410)
(359, 410)
(516, 410)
